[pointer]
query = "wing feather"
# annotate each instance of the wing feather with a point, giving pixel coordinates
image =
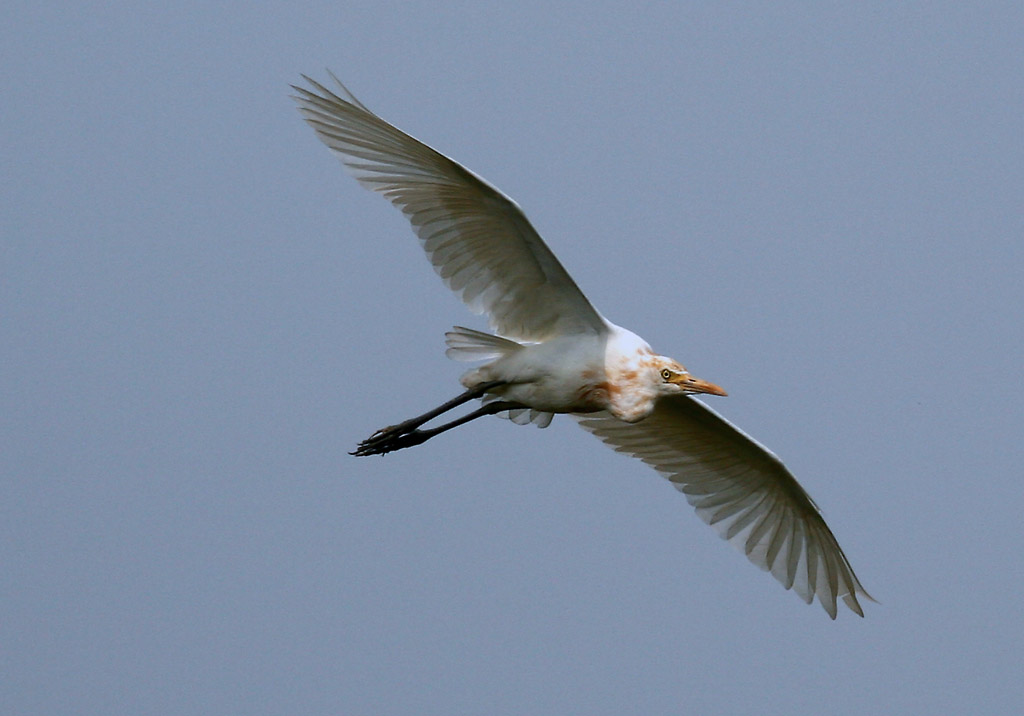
(743, 491)
(478, 240)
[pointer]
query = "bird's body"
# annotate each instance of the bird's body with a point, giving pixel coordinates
(561, 375)
(555, 354)
(614, 370)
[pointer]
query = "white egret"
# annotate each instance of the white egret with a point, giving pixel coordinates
(554, 353)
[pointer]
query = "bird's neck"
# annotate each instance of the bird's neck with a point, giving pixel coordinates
(629, 366)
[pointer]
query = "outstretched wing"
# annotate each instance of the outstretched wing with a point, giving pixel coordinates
(478, 239)
(743, 491)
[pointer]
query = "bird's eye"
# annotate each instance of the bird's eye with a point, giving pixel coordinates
(666, 374)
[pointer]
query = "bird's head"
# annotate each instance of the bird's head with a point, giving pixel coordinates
(674, 379)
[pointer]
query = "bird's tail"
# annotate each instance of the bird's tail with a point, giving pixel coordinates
(465, 345)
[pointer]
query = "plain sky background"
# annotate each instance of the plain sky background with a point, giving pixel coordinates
(819, 206)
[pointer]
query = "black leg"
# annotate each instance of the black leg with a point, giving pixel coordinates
(407, 426)
(389, 440)
(411, 424)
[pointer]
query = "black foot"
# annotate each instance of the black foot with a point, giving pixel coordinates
(389, 440)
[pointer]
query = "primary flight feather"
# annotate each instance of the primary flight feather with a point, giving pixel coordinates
(554, 353)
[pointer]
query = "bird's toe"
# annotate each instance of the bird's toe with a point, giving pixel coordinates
(385, 441)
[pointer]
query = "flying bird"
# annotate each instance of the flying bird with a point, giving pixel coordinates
(553, 353)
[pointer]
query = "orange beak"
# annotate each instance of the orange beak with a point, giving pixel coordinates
(696, 385)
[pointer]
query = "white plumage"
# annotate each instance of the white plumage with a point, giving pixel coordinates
(556, 354)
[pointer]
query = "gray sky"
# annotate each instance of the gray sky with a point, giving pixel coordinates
(819, 208)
